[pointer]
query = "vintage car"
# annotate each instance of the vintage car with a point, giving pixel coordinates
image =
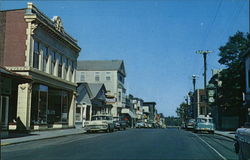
(100, 123)
(190, 124)
(204, 124)
(119, 123)
(242, 145)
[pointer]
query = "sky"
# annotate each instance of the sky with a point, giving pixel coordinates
(157, 39)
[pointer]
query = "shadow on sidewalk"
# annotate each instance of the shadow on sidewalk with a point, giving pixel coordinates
(18, 135)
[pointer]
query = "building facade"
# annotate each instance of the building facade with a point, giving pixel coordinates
(199, 103)
(9, 82)
(112, 74)
(37, 46)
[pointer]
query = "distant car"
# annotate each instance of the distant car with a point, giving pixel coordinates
(204, 123)
(140, 125)
(242, 145)
(183, 125)
(100, 123)
(190, 124)
(120, 125)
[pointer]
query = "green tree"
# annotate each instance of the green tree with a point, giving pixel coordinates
(233, 76)
(182, 111)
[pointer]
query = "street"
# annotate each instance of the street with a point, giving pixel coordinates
(151, 144)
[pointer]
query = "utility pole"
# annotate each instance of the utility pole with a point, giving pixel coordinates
(204, 53)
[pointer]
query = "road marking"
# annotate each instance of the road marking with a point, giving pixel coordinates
(224, 158)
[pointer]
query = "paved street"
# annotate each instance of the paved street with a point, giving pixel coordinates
(151, 144)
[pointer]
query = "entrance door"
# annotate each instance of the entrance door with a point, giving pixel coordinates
(4, 111)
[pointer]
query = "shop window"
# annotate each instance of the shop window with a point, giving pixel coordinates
(39, 104)
(36, 54)
(58, 107)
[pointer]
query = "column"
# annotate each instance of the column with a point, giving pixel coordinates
(72, 110)
(24, 106)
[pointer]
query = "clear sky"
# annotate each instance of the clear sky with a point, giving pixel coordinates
(157, 39)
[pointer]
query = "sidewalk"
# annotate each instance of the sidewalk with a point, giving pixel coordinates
(38, 135)
(228, 134)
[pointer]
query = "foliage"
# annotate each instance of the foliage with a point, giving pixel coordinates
(182, 111)
(233, 78)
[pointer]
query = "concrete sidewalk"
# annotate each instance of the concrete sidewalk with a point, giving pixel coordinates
(228, 134)
(38, 135)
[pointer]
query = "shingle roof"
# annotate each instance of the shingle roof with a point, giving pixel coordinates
(101, 65)
(95, 88)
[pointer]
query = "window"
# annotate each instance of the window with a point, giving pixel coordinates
(108, 76)
(45, 58)
(66, 65)
(60, 66)
(53, 61)
(120, 78)
(97, 77)
(36, 54)
(119, 96)
(82, 77)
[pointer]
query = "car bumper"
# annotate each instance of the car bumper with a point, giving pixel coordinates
(96, 128)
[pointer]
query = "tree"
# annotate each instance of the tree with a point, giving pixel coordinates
(233, 76)
(182, 112)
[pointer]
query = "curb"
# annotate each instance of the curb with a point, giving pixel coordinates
(224, 136)
(11, 143)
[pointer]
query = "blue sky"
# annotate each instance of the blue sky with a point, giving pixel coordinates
(157, 39)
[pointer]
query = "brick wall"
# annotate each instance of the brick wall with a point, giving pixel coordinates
(15, 37)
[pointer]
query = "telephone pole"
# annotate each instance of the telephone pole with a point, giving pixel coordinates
(204, 53)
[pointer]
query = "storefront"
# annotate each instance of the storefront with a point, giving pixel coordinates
(49, 107)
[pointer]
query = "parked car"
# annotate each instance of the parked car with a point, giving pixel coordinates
(204, 123)
(119, 123)
(242, 145)
(190, 124)
(100, 123)
(140, 125)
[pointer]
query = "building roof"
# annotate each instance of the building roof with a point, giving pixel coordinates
(95, 88)
(102, 65)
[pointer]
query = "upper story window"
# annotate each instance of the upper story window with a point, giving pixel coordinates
(53, 61)
(45, 57)
(97, 76)
(119, 96)
(66, 66)
(60, 65)
(120, 78)
(82, 77)
(108, 77)
(36, 54)
(72, 67)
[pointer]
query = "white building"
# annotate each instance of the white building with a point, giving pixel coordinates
(109, 72)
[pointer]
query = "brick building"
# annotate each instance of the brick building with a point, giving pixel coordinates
(36, 46)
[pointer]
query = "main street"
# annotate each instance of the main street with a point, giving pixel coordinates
(132, 144)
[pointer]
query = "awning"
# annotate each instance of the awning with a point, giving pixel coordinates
(129, 112)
